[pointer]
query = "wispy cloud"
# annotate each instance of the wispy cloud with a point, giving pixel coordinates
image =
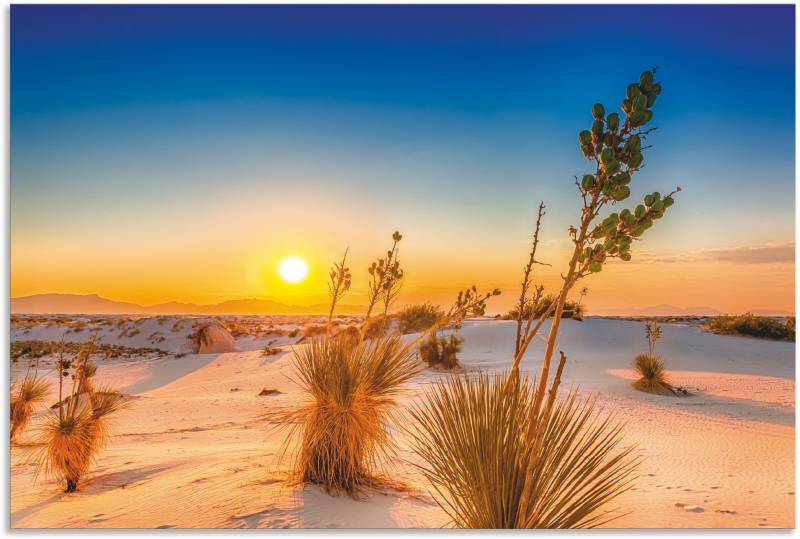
(782, 253)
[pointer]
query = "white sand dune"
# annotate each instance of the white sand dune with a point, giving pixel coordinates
(197, 447)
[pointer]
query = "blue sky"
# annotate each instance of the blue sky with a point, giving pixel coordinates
(449, 118)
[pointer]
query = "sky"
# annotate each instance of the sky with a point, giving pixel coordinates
(164, 153)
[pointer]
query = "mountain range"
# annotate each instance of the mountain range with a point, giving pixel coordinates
(672, 310)
(95, 304)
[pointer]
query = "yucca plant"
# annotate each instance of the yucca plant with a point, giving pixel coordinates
(474, 436)
(344, 429)
(66, 442)
(26, 395)
(568, 462)
(76, 428)
(652, 379)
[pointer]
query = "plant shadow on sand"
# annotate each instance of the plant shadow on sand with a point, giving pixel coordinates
(717, 406)
(167, 371)
(312, 507)
(122, 479)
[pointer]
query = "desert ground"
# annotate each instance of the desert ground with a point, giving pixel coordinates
(199, 447)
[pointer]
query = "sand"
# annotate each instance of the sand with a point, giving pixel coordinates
(197, 448)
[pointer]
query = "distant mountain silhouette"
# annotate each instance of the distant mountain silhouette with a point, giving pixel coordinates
(672, 310)
(94, 304)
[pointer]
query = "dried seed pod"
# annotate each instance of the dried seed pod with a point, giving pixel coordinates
(621, 193)
(646, 78)
(612, 167)
(613, 121)
(633, 90)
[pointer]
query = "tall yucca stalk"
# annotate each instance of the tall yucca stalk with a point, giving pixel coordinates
(344, 428)
(26, 395)
(475, 439)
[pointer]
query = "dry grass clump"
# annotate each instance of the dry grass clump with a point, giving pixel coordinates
(416, 318)
(26, 395)
(343, 429)
(494, 465)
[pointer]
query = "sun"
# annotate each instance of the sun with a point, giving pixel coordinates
(293, 269)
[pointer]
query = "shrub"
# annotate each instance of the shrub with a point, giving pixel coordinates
(493, 468)
(344, 428)
(416, 318)
(441, 351)
(653, 378)
(572, 309)
(26, 395)
(311, 331)
(376, 326)
(753, 326)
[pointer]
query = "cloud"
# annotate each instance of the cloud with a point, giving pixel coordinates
(763, 254)
(782, 253)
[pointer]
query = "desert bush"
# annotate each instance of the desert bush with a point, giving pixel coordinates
(441, 352)
(311, 331)
(572, 309)
(344, 426)
(751, 325)
(493, 467)
(26, 395)
(416, 318)
(348, 332)
(376, 326)
(39, 349)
